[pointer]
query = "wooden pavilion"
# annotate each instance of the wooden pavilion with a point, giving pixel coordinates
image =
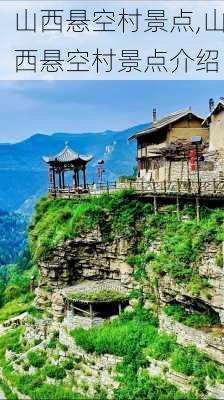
(96, 299)
(67, 160)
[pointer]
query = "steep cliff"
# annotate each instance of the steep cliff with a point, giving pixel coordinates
(164, 271)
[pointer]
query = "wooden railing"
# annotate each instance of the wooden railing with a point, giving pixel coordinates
(175, 187)
(213, 188)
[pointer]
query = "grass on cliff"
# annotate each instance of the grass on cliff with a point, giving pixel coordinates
(34, 385)
(58, 220)
(194, 319)
(134, 337)
(119, 214)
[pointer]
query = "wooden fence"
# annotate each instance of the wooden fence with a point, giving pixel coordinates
(213, 188)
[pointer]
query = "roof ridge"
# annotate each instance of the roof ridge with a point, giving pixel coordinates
(175, 113)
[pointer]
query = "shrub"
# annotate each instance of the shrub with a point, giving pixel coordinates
(55, 392)
(195, 319)
(68, 364)
(37, 359)
(53, 340)
(162, 347)
(188, 361)
(54, 371)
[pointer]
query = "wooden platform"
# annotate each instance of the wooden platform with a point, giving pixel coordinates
(167, 190)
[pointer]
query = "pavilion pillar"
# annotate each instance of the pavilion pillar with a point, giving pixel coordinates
(78, 178)
(54, 184)
(84, 178)
(75, 178)
(63, 179)
(59, 177)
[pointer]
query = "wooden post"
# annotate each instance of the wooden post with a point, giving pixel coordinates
(155, 204)
(214, 186)
(197, 209)
(78, 178)
(178, 208)
(119, 308)
(189, 186)
(154, 186)
(91, 313)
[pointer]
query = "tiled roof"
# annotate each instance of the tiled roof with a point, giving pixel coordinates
(219, 104)
(67, 155)
(168, 119)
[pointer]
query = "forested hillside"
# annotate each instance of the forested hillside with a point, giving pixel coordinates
(12, 236)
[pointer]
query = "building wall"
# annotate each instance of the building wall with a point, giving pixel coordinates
(209, 170)
(216, 132)
(161, 170)
(185, 129)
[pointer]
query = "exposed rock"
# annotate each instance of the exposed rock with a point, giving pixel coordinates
(86, 257)
(157, 368)
(210, 344)
(213, 297)
(15, 321)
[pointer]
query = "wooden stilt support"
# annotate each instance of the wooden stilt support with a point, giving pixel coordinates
(91, 313)
(197, 208)
(178, 208)
(155, 204)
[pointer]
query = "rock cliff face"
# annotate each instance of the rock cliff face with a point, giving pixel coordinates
(211, 298)
(86, 257)
(90, 257)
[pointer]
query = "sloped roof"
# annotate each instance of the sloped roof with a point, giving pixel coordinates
(219, 105)
(67, 155)
(163, 122)
(103, 291)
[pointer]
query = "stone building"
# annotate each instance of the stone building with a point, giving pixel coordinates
(166, 150)
(177, 127)
(215, 123)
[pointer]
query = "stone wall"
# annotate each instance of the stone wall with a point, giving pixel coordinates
(182, 382)
(210, 344)
(211, 168)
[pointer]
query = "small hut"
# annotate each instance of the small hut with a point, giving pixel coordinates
(67, 160)
(95, 301)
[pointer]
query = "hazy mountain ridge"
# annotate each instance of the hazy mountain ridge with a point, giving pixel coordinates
(23, 175)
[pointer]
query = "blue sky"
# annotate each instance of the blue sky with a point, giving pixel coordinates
(29, 107)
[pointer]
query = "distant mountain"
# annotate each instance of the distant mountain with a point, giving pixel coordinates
(23, 175)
